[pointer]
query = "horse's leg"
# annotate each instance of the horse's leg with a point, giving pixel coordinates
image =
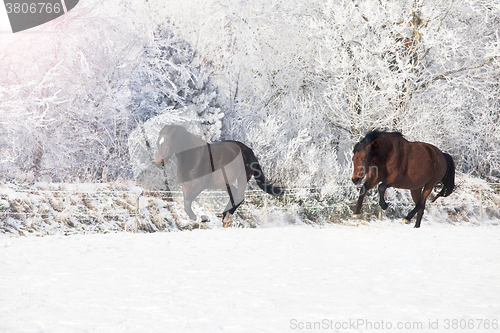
(239, 196)
(190, 193)
(231, 205)
(381, 190)
(419, 215)
(425, 194)
(237, 199)
(417, 197)
(188, 209)
(368, 185)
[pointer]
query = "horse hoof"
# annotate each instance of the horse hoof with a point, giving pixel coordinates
(227, 218)
(416, 226)
(405, 221)
(384, 206)
(205, 219)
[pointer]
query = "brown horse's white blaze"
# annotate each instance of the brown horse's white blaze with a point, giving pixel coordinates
(388, 159)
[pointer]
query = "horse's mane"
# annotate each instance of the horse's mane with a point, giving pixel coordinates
(168, 128)
(371, 136)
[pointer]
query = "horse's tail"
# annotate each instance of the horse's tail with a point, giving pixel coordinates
(448, 180)
(258, 174)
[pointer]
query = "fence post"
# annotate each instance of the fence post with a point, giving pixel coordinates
(481, 205)
(265, 209)
(137, 210)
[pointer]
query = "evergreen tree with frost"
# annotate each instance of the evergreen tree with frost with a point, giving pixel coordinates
(172, 87)
(172, 77)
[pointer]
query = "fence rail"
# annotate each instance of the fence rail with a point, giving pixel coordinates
(294, 199)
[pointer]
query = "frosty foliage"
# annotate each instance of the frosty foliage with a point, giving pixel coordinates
(69, 106)
(61, 103)
(171, 77)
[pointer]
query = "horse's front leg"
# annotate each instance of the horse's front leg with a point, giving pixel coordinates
(190, 193)
(188, 209)
(362, 194)
(370, 182)
(381, 190)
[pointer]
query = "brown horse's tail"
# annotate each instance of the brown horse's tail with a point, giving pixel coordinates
(258, 174)
(448, 181)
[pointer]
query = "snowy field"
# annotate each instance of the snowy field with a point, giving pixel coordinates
(289, 279)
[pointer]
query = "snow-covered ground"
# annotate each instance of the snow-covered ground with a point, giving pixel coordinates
(335, 278)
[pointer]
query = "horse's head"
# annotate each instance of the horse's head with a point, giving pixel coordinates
(167, 143)
(371, 153)
(361, 163)
(362, 158)
(175, 139)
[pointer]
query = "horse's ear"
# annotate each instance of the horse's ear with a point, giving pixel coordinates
(381, 147)
(375, 147)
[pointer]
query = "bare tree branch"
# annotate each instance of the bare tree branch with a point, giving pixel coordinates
(425, 54)
(444, 75)
(444, 17)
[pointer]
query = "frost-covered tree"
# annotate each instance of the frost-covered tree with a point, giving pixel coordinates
(69, 106)
(170, 76)
(62, 102)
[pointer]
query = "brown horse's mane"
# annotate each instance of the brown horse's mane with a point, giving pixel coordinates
(370, 137)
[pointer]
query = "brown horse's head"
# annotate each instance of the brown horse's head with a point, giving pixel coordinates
(371, 153)
(363, 153)
(361, 161)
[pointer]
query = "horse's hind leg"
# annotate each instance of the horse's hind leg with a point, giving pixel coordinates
(229, 210)
(419, 216)
(381, 190)
(235, 200)
(417, 197)
(237, 195)
(425, 194)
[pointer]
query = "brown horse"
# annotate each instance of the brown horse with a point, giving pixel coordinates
(218, 165)
(389, 159)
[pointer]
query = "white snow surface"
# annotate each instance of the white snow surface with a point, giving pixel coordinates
(252, 280)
